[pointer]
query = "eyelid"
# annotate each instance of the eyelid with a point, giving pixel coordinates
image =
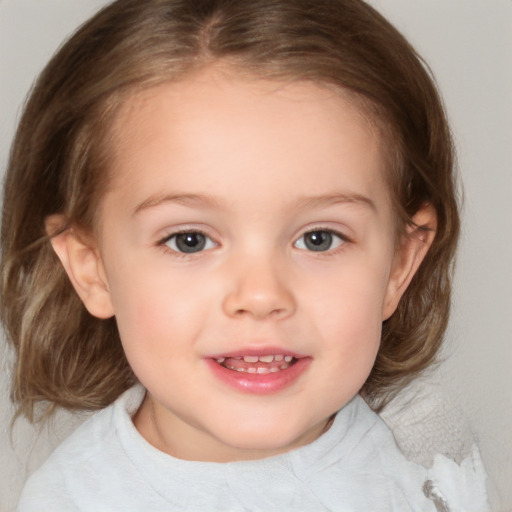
(334, 232)
(163, 242)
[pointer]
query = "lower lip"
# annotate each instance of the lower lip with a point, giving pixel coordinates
(260, 384)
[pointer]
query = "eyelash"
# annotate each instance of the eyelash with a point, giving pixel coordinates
(332, 233)
(342, 240)
(164, 242)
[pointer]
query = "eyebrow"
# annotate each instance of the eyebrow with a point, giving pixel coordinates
(335, 198)
(184, 199)
(206, 200)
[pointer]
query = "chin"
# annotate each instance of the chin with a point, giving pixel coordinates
(268, 440)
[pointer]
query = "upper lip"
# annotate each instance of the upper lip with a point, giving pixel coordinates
(258, 351)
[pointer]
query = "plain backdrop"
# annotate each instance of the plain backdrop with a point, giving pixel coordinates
(468, 45)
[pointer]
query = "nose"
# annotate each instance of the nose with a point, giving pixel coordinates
(259, 289)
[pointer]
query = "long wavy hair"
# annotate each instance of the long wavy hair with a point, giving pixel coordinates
(60, 158)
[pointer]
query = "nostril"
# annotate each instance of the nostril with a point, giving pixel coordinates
(260, 312)
(260, 294)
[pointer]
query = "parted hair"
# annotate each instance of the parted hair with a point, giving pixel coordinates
(59, 163)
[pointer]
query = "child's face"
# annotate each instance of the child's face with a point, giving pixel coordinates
(251, 219)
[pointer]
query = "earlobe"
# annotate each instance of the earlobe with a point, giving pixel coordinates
(82, 262)
(414, 248)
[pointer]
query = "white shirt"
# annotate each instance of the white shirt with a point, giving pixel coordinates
(106, 465)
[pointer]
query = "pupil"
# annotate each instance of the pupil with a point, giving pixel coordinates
(318, 240)
(190, 242)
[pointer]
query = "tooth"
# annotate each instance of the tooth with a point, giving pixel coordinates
(240, 370)
(230, 367)
(251, 370)
(221, 359)
(251, 359)
(284, 366)
(266, 359)
(288, 358)
(274, 369)
(263, 370)
(279, 358)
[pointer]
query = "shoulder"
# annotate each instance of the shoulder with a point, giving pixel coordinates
(425, 421)
(432, 431)
(378, 468)
(50, 487)
(78, 465)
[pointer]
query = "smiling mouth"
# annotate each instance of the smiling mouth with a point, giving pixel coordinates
(258, 364)
(264, 372)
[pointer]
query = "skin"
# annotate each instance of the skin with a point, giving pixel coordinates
(254, 166)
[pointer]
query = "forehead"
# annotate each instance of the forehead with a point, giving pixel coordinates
(220, 129)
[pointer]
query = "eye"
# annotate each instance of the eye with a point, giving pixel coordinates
(320, 240)
(189, 242)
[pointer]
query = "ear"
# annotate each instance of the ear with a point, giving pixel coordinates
(82, 262)
(413, 249)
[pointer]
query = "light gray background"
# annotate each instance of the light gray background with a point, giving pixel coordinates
(468, 44)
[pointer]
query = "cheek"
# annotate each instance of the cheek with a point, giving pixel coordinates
(354, 337)
(354, 340)
(354, 294)
(157, 312)
(348, 314)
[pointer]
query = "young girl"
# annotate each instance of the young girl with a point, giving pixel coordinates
(230, 225)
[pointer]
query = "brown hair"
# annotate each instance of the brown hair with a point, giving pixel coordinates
(58, 163)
